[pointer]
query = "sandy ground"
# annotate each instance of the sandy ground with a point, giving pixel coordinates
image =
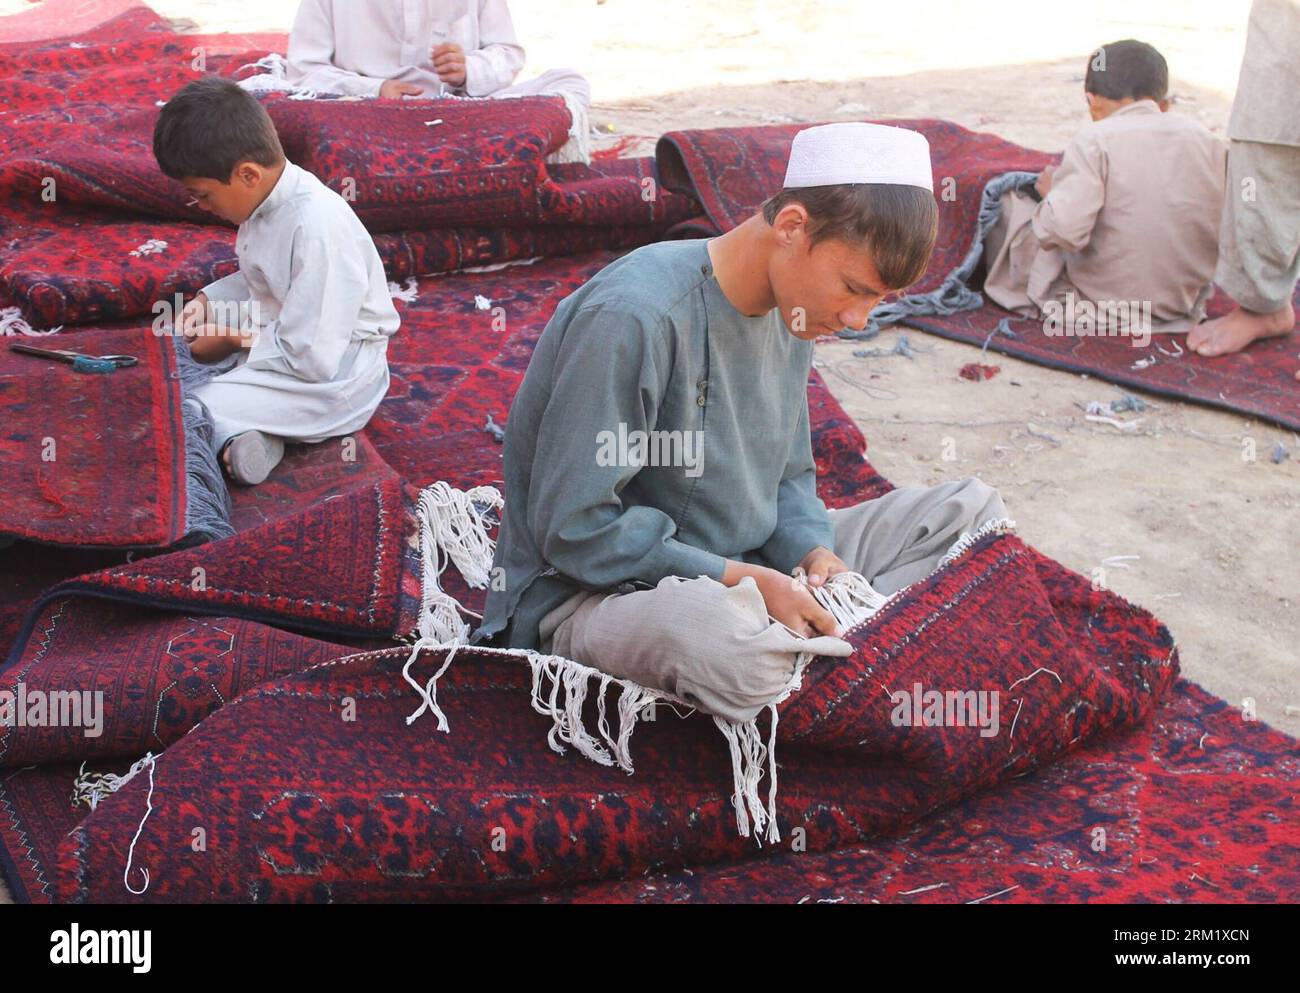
(1216, 537)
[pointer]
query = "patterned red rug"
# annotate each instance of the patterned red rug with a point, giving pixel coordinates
(93, 460)
(1199, 806)
(90, 230)
(299, 803)
(732, 170)
(307, 813)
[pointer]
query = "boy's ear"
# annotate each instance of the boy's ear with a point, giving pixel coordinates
(248, 173)
(1164, 105)
(789, 219)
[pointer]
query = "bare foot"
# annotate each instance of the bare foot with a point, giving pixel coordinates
(1235, 330)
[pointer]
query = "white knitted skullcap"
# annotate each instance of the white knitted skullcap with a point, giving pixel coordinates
(854, 152)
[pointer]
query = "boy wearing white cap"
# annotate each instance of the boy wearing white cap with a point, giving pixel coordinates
(660, 482)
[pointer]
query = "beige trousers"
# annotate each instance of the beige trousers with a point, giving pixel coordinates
(716, 647)
(1259, 236)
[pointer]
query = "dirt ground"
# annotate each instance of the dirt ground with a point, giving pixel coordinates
(1210, 540)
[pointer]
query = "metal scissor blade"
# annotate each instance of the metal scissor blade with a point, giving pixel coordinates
(45, 353)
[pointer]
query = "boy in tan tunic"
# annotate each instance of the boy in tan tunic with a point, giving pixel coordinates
(1126, 228)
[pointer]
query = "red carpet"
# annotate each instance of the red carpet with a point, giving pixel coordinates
(93, 460)
(732, 170)
(62, 18)
(298, 762)
(1197, 807)
(471, 189)
(376, 810)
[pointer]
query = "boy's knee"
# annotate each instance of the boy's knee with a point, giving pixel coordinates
(984, 500)
(708, 644)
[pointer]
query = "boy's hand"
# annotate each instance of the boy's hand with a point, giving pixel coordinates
(212, 343)
(820, 565)
(449, 63)
(193, 316)
(394, 90)
(791, 604)
(786, 599)
(1044, 182)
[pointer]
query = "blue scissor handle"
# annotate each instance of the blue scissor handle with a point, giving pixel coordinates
(83, 363)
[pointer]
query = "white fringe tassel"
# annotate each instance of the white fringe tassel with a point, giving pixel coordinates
(453, 528)
(968, 538)
(11, 322)
(564, 700)
(91, 787)
(849, 598)
(274, 78)
(560, 689)
(453, 524)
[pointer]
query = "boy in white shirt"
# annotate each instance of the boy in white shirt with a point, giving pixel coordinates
(308, 313)
(424, 48)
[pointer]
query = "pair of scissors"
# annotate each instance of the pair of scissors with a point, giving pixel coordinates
(79, 362)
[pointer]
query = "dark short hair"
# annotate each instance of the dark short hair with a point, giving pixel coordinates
(1127, 70)
(209, 127)
(897, 224)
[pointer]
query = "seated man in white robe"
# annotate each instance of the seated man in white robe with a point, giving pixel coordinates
(1122, 237)
(424, 48)
(308, 314)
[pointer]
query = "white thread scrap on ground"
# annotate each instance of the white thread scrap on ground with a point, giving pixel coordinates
(408, 292)
(153, 246)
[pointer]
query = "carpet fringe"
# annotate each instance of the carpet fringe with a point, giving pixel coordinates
(91, 788)
(274, 78)
(207, 497)
(12, 323)
(454, 527)
(968, 538)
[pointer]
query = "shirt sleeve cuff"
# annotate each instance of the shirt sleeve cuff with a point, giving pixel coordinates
(676, 558)
(480, 80)
(788, 546)
(265, 351)
(228, 289)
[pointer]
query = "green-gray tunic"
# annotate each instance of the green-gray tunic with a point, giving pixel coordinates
(651, 343)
